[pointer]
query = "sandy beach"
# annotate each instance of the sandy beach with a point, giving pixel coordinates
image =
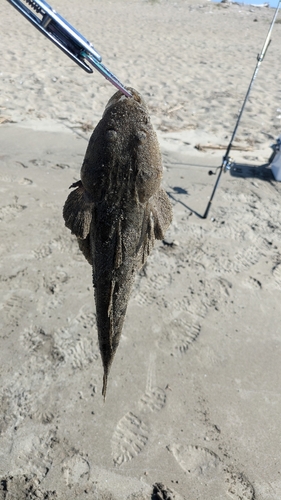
(193, 401)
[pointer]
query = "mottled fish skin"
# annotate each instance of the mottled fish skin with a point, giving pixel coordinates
(117, 210)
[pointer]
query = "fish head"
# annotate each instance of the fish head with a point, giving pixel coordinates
(123, 150)
(119, 96)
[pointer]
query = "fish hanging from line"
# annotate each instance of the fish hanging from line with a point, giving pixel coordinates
(117, 210)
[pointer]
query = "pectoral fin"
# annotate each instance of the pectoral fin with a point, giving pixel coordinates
(162, 213)
(85, 247)
(157, 218)
(77, 212)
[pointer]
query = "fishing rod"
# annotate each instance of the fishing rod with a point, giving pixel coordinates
(226, 161)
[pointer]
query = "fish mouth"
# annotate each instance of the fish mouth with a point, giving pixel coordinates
(119, 96)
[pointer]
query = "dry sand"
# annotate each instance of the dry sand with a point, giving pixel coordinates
(194, 397)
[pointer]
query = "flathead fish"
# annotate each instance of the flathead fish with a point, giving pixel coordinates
(117, 210)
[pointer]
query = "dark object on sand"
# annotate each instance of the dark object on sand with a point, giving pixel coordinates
(117, 210)
(161, 492)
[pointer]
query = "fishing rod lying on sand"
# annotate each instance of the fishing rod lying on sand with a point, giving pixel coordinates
(226, 161)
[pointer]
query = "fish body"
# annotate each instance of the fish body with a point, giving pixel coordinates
(117, 210)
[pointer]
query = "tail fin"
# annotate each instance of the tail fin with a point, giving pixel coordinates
(104, 387)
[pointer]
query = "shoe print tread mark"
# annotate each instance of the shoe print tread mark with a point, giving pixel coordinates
(10, 212)
(60, 244)
(247, 259)
(35, 454)
(85, 319)
(144, 299)
(79, 353)
(200, 462)
(28, 394)
(180, 335)
(82, 353)
(158, 281)
(129, 438)
(195, 310)
(153, 399)
(196, 461)
(240, 261)
(15, 308)
(239, 488)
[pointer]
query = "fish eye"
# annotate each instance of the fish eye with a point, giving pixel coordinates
(141, 135)
(111, 135)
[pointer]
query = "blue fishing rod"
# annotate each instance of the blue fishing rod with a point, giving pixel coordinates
(227, 162)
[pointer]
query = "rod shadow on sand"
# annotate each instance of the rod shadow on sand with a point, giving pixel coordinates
(238, 170)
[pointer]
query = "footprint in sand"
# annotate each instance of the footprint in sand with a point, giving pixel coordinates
(154, 398)
(194, 308)
(226, 229)
(238, 486)
(144, 299)
(85, 318)
(23, 487)
(54, 282)
(76, 470)
(158, 281)
(60, 244)
(239, 262)
(82, 353)
(248, 258)
(76, 351)
(33, 453)
(129, 438)
(152, 282)
(197, 461)
(206, 466)
(180, 334)
(27, 395)
(132, 432)
(15, 307)
(10, 212)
